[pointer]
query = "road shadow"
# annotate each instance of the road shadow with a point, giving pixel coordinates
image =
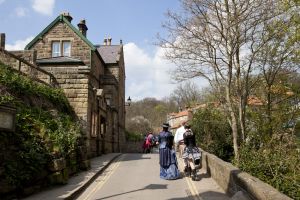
(148, 187)
(209, 195)
(134, 156)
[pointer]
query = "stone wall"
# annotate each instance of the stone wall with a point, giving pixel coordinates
(232, 180)
(17, 65)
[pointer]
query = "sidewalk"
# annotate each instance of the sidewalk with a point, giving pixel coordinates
(77, 183)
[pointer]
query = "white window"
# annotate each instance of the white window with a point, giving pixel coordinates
(66, 48)
(55, 49)
(61, 48)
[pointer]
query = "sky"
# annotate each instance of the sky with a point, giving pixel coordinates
(136, 22)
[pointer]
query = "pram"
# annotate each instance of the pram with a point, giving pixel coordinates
(192, 156)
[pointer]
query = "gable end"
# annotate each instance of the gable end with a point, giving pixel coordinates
(60, 18)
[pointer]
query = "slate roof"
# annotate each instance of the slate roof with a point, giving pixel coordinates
(109, 53)
(58, 60)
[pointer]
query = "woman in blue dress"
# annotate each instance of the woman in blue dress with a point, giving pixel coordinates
(167, 156)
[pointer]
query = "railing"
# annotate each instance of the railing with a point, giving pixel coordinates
(51, 79)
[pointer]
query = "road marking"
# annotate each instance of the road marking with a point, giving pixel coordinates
(105, 176)
(190, 183)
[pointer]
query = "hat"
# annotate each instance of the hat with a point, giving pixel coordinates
(165, 125)
(187, 126)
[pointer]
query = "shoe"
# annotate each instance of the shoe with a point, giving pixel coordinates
(187, 171)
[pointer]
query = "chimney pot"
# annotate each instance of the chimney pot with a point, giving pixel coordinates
(82, 27)
(67, 16)
(105, 41)
(82, 21)
(2, 40)
(109, 40)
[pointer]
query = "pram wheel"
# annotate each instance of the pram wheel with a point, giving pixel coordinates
(187, 171)
(194, 175)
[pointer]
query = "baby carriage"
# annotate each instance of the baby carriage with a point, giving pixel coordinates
(192, 160)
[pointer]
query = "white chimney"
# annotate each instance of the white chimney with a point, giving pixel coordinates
(109, 41)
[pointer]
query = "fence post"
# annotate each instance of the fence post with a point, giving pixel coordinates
(20, 66)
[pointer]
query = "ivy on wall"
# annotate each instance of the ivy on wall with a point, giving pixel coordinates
(46, 128)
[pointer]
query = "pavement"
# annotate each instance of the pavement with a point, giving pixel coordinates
(76, 184)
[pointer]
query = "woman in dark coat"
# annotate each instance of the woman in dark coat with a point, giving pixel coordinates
(167, 156)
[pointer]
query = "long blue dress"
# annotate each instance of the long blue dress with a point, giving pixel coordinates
(167, 157)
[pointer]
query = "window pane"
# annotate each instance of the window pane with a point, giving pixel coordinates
(67, 48)
(55, 49)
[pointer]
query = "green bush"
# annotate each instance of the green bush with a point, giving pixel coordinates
(213, 133)
(38, 135)
(276, 163)
(135, 137)
(20, 86)
(41, 133)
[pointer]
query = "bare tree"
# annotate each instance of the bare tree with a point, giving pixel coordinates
(186, 94)
(219, 40)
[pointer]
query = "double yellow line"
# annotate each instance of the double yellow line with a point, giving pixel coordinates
(110, 170)
(190, 183)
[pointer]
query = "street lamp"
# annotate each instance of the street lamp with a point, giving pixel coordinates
(128, 101)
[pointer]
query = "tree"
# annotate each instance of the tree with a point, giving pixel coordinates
(278, 59)
(219, 40)
(186, 94)
(148, 114)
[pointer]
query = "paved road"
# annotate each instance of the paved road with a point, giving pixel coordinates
(136, 176)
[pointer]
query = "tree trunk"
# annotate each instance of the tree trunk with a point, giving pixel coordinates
(269, 111)
(234, 135)
(233, 124)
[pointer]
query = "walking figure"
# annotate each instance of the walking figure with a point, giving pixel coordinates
(167, 156)
(191, 154)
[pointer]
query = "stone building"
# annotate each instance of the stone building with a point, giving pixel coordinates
(175, 119)
(92, 77)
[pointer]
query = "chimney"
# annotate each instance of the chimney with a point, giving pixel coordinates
(109, 41)
(2, 40)
(82, 27)
(67, 16)
(105, 41)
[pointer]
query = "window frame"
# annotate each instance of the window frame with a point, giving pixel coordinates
(63, 48)
(60, 51)
(56, 53)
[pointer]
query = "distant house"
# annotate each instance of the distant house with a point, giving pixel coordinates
(175, 119)
(92, 77)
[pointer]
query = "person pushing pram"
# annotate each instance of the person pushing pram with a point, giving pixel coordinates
(191, 154)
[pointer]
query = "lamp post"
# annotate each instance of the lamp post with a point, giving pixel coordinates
(128, 101)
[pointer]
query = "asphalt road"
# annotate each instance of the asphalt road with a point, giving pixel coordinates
(136, 176)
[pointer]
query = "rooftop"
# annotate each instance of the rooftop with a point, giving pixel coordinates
(109, 53)
(58, 60)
